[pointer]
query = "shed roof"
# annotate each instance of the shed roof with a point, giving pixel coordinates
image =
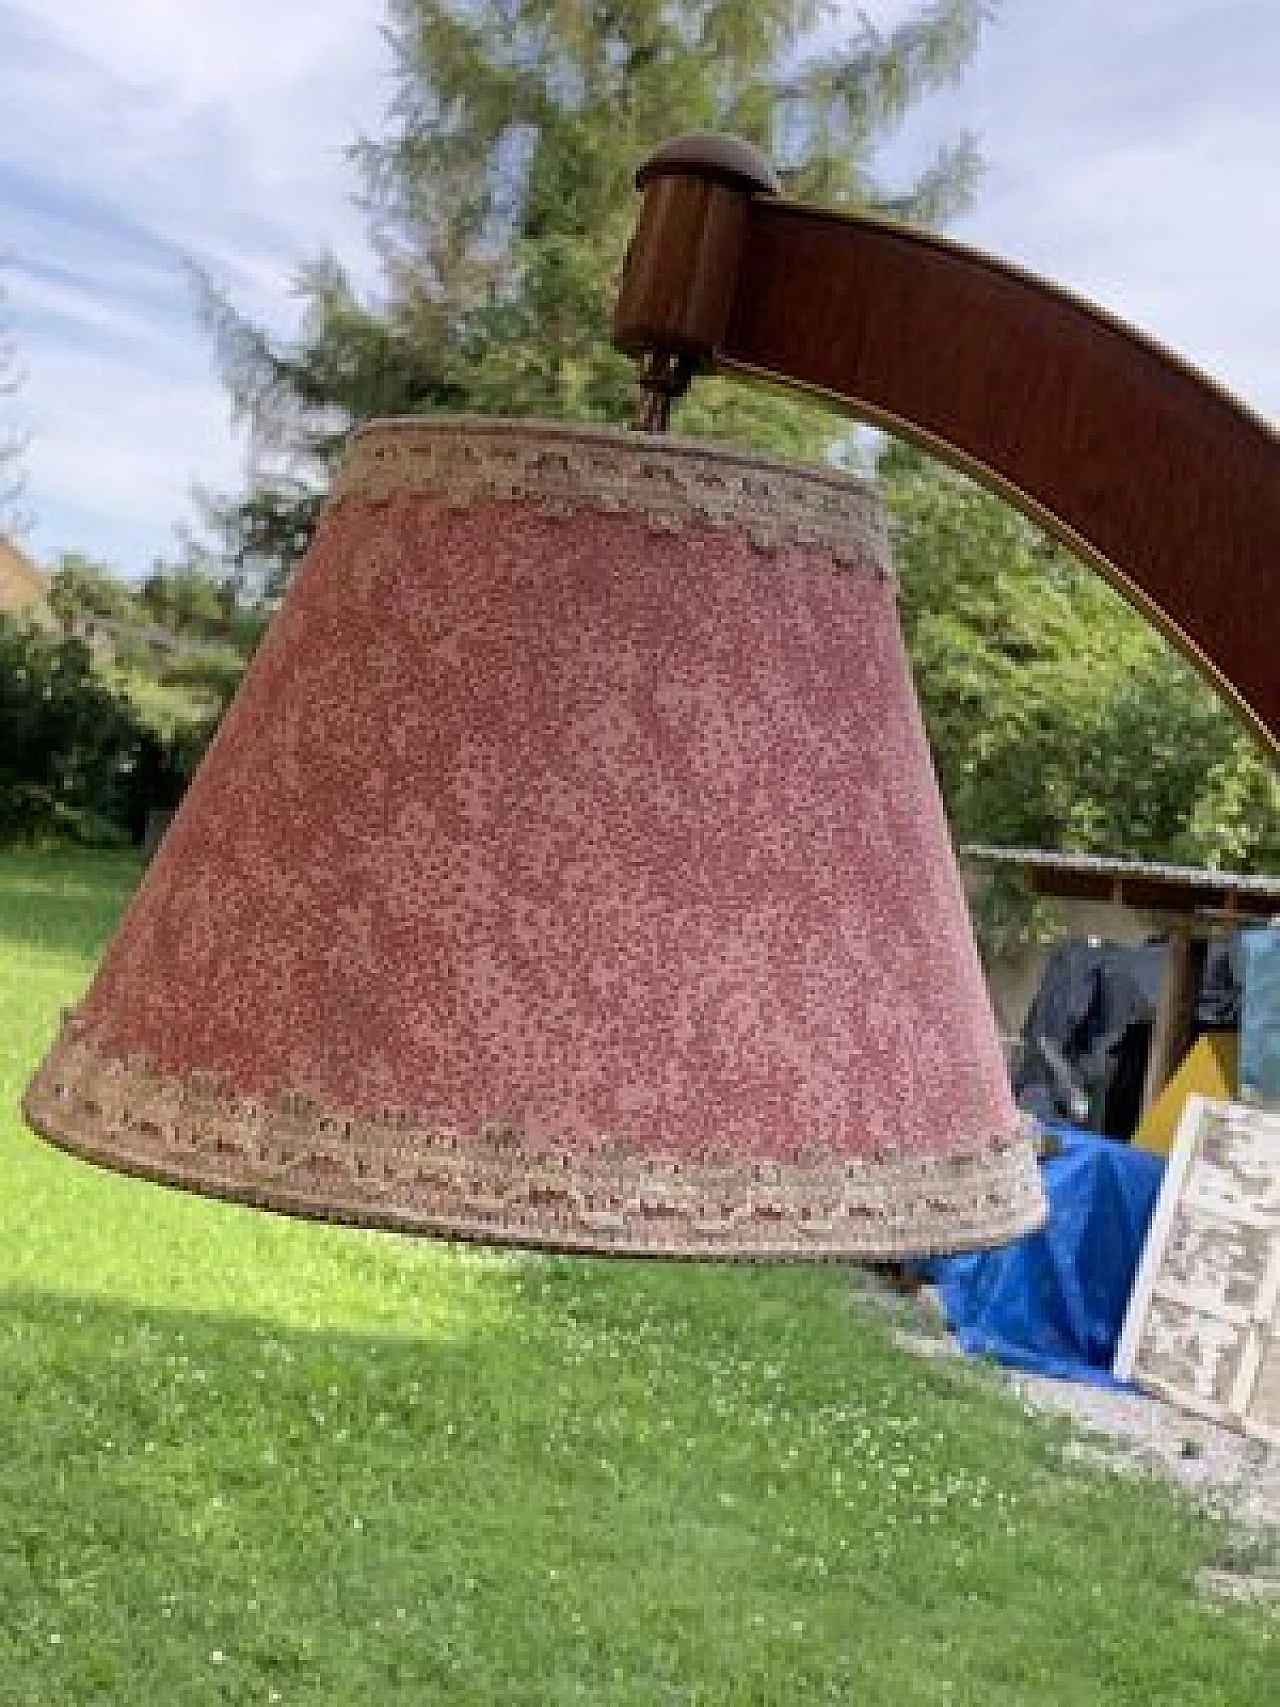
(1137, 883)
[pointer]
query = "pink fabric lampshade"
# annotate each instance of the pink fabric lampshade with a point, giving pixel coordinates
(568, 871)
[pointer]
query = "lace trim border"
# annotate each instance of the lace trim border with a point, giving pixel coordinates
(495, 1185)
(672, 483)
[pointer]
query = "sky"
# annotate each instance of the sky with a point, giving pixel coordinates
(1132, 153)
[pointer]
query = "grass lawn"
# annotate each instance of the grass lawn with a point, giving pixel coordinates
(244, 1459)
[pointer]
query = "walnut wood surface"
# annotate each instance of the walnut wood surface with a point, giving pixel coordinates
(1163, 482)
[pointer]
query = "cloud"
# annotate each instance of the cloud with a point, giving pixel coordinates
(1132, 153)
(139, 135)
(216, 126)
(116, 459)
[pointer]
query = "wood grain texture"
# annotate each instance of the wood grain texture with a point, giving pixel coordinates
(1157, 477)
(683, 269)
(1203, 1324)
(1163, 482)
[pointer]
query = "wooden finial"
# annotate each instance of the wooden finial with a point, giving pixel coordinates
(682, 265)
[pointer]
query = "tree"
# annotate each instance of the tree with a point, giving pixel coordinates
(1058, 716)
(500, 202)
(191, 602)
(172, 653)
(69, 746)
(82, 591)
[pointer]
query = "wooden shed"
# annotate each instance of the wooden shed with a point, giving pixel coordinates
(1128, 901)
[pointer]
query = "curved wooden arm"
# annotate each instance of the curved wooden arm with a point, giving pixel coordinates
(1159, 479)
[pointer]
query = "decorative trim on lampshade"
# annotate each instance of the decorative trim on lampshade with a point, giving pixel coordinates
(672, 483)
(609, 1195)
(568, 871)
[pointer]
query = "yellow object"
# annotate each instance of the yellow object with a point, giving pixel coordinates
(1208, 1068)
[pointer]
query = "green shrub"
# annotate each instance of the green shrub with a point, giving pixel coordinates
(69, 745)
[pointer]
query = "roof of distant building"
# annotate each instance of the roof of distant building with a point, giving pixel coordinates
(1136, 883)
(21, 583)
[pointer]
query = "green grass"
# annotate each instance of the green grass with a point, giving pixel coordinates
(250, 1460)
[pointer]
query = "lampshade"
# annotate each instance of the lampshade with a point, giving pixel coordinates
(569, 871)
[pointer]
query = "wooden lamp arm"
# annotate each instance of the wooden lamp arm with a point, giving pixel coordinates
(1163, 482)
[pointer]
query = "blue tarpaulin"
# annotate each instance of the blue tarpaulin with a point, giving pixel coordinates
(1055, 1301)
